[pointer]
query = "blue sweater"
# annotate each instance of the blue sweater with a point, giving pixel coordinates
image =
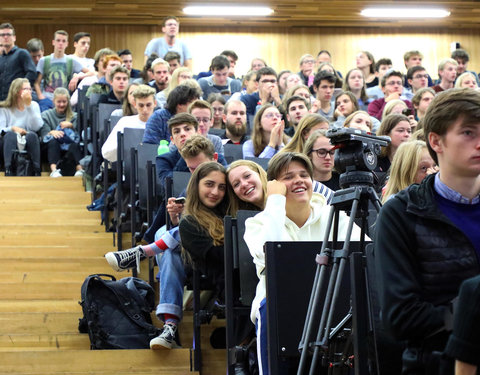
(465, 216)
(156, 128)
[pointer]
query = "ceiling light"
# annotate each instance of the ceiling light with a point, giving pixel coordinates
(226, 10)
(405, 13)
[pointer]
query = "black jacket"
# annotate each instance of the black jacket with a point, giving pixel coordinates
(421, 259)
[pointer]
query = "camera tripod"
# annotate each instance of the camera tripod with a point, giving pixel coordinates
(327, 346)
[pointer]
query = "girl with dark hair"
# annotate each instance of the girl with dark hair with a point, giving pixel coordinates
(366, 63)
(355, 83)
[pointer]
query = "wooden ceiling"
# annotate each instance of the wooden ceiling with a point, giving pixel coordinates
(287, 13)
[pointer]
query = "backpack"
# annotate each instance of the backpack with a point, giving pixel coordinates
(22, 164)
(117, 313)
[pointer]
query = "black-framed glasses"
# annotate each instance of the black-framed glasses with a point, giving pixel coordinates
(322, 152)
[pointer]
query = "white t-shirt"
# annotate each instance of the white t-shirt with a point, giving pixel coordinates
(109, 148)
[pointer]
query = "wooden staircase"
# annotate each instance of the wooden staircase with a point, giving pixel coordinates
(49, 243)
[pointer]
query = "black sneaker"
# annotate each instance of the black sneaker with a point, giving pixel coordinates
(166, 340)
(126, 259)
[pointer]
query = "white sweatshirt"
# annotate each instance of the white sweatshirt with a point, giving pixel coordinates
(272, 224)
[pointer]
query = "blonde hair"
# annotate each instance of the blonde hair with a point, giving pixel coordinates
(390, 105)
(404, 167)
(351, 116)
(291, 91)
(174, 80)
(15, 88)
(461, 78)
(235, 202)
(60, 91)
(304, 126)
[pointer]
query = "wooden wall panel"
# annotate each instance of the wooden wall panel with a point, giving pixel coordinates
(280, 47)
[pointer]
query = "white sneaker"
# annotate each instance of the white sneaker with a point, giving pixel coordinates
(79, 173)
(56, 173)
(166, 340)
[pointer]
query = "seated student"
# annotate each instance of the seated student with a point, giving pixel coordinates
(447, 71)
(282, 81)
(126, 56)
(366, 63)
(293, 80)
(218, 105)
(203, 113)
(20, 116)
(328, 67)
(360, 120)
(144, 102)
(119, 81)
(182, 126)
(104, 84)
(392, 86)
(410, 165)
(411, 59)
(417, 78)
(197, 152)
(249, 85)
(267, 92)
(462, 58)
(178, 101)
(298, 90)
(59, 134)
(235, 119)
(219, 81)
(427, 239)
(466, 79)
(345, 104)
(173, 59)
(146, 74)
(421, 101)
(307, 125)
(179, 75)
(324, 85)
(128, 103)
(355, 83)
(398, 128)
(306, 73)
(161, 74)
(292, 213)
(99, 58)
(381, 67)
(267, 135)
(297, 108)
(257, 64)
(322, 154)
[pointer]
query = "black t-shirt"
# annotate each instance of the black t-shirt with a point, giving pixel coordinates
(334, 182)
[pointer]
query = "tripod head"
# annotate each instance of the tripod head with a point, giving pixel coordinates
(357, 155)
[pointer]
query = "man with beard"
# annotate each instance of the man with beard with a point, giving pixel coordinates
(235, 119)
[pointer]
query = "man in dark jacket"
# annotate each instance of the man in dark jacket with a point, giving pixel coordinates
(427, 237)
(14, 62)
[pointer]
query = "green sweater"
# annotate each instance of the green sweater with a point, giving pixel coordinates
(51, 119)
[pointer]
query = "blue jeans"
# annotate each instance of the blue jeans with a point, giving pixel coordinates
(172, 279)
(262, 346)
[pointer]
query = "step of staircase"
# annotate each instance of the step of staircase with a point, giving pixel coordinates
(50, 243)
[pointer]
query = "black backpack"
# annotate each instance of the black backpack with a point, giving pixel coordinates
(116, 314)
(22, 164)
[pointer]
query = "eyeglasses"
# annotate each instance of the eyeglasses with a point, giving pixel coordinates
(418, 76)
(6, 35)
(205, 120)
(322, 152)
(268, 81)
(308, 61)
(272, 115)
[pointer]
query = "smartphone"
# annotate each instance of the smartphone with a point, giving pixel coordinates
(180, 200)
(407, 112)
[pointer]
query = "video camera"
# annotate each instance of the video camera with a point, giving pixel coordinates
(356, 148)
